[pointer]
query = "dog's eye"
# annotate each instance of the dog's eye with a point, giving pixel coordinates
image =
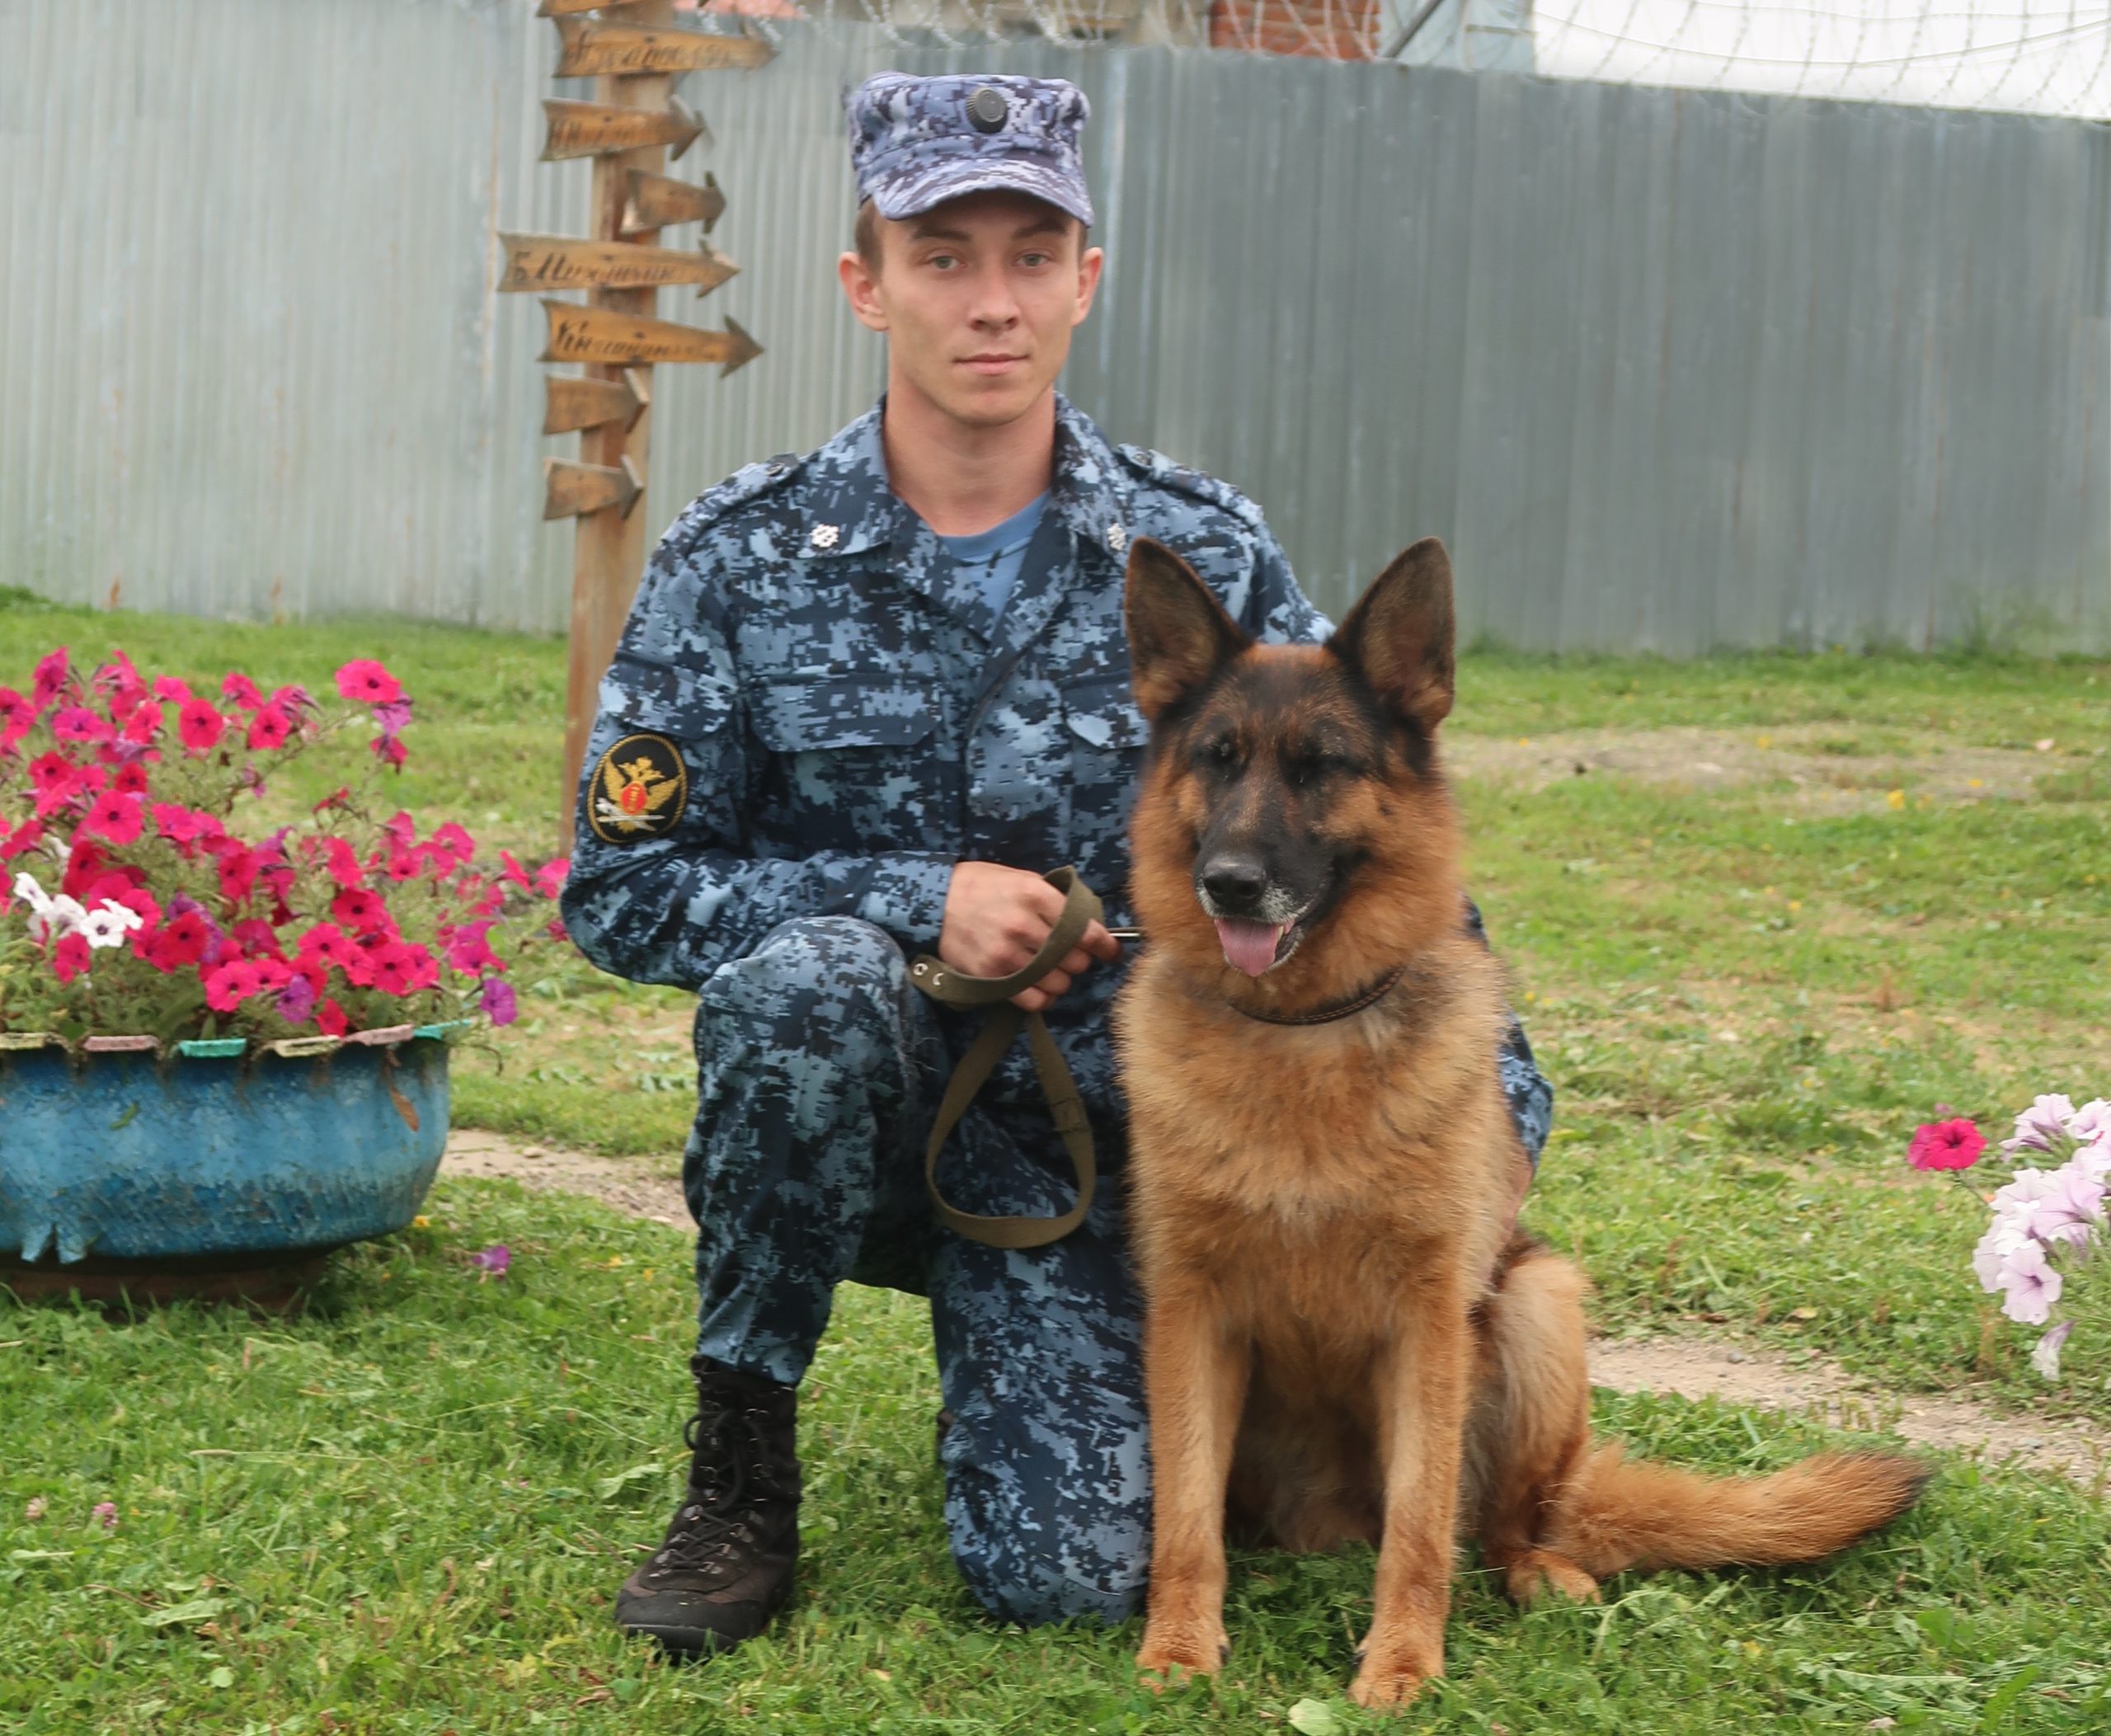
(1222, 751)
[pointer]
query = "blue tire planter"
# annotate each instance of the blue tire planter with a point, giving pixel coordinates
(108, 1160)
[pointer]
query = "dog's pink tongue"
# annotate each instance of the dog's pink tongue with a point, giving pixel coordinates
(1248, 946)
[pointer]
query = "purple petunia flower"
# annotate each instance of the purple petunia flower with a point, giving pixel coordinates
(297, 1000)
(496, 1000)
(493, 1261)
(105, 1513)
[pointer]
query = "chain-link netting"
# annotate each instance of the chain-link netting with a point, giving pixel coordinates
(2049, 57)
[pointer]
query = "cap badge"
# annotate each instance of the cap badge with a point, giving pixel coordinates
(987, 110)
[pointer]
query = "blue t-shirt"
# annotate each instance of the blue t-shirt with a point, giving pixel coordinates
(998, 553)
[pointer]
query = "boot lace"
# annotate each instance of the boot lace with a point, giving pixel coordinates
(736, 1464)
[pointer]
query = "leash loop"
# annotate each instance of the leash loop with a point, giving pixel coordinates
(1066, 1109)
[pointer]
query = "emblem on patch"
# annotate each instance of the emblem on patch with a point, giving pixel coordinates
(640, 788)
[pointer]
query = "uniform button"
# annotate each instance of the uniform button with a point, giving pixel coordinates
(1117, 538)
(823, 536)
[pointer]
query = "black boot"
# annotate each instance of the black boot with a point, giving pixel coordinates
(726, 1566)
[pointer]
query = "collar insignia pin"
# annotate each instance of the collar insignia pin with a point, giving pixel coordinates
(1117, 538)
(823, 536)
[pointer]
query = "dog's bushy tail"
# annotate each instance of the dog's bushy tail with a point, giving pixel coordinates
(1617, 1512)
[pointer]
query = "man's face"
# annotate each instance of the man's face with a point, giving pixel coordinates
(977, 298)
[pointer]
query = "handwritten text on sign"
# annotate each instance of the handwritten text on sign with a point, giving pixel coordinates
(560, 262)
(603, 334)
(619, 49)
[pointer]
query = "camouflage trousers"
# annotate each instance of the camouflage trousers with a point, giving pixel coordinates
(821, 1068)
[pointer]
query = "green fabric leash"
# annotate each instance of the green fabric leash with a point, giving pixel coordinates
(1066, 1109)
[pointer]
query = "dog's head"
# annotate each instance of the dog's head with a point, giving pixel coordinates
(1293, 804)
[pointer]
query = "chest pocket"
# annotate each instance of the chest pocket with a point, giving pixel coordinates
(854, 765)
(1102, 717)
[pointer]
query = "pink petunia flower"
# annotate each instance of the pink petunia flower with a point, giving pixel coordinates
(330, 1019)
(393, 971)
(227, 986)
(268, 728)
(513, 871)
(328, 943)
(237, 872)
(2039, 1126)
(389, 750)
(145, 722)
(173, 689)
(242, 690)
(550, 877)
(77, 723)
(342, 862)
(53, 677)
(470, 952)
(70, 958)
(115, 816)
(366, 681)
(2091, 1122)
(131, 780)
(455, 841)
(200, 726)
(2032, 1284)
(14, 710)
(360, 910)
(105, 1513)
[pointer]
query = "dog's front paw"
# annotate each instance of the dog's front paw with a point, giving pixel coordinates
(1175, 1650)
(1392, 1676)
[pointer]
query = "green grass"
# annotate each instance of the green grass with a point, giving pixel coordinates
(406, 1511)
(1746, 994)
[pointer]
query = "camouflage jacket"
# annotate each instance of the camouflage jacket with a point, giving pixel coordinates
(851, 720)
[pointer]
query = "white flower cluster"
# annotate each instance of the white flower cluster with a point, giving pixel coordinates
(55, 918)
(2044, 1212)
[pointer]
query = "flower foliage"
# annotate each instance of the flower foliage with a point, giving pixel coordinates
(2045, 1221)
(133, 901)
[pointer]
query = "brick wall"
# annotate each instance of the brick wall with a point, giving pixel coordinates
(1332, 30)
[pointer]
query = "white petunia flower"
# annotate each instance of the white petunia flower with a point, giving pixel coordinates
(109, 923)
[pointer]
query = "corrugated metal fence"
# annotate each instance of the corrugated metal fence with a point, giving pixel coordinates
(1668, 370)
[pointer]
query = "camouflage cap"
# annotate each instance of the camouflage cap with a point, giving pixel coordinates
(916, 142)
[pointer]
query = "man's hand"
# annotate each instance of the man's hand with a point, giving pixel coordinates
(998, 918)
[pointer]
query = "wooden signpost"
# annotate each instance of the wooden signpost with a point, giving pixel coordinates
(655, 202)
(634, 53)
(587, 130)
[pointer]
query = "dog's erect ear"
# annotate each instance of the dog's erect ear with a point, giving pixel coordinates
(1398, 637)
(1179, 633)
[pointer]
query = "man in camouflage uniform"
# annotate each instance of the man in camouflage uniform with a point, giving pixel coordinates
(833, 737)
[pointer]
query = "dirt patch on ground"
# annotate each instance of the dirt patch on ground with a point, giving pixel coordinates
(1830, 770)
(1693, 1368)
(630, 1185)
(1699, 1368)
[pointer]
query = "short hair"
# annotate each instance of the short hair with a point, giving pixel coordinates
(865, 235)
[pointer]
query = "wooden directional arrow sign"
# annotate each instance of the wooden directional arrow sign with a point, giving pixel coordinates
(619, 49)
(560, 262)
(570, 490)
(587, 403)
(605, 335)
(590, 130)
(656, 202)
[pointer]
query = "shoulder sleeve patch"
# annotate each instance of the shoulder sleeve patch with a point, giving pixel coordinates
(1195, 484)
(641, 788)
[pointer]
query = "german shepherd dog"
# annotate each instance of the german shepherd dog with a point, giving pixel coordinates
(1345, 1337)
